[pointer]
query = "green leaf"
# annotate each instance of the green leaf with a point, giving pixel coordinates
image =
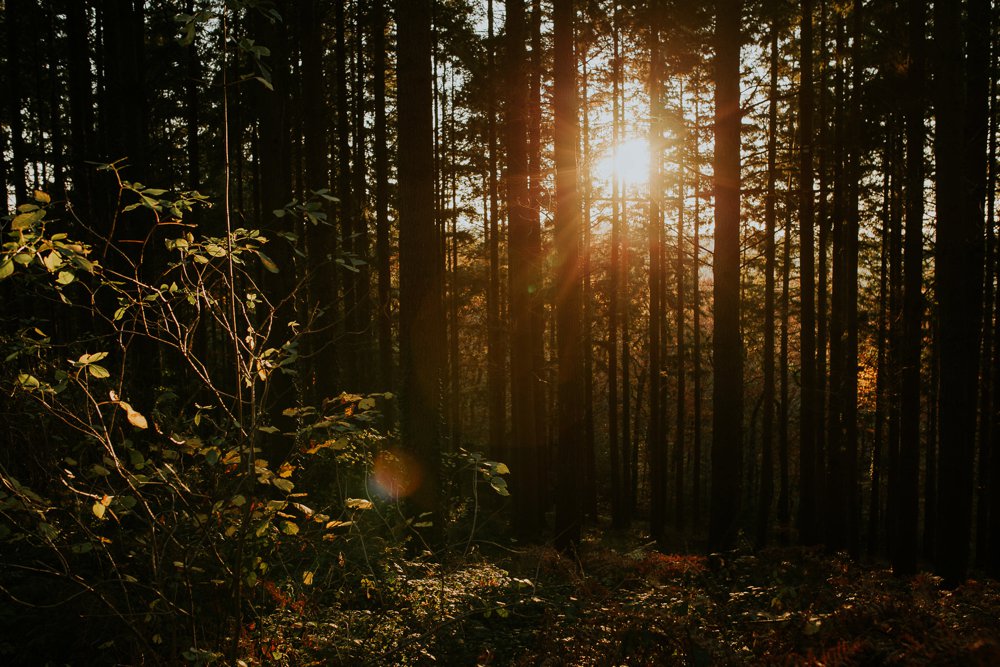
(285, 485)
(83, 263)
(501, 469)
(98, 509)
(6, 268)
(52, 261)
(91, 358)
(26, 220)
(65, 277)
(499, 485)
(268, 262)
(289, 528)
(99, 372)
(29, 382)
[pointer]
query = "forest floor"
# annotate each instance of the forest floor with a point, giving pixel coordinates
(625, 603)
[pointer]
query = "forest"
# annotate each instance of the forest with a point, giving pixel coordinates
(527, 332)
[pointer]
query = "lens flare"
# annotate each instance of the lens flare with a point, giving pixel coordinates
(396, 474)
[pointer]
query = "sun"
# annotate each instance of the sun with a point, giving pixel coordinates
(630, 159)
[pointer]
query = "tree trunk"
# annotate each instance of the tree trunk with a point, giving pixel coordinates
(767, 430)
(696, 326)
(807, 519)
(727, 352)
(657, 428)
(495, 353)
(81, 106)
(317, 177)
(958, 274)
(679, 309)
(383, 249)
(588, 296)
(568, 302)
(618, 479)
(904, 554)
(421, 316)
(523, 276)
(359, 192)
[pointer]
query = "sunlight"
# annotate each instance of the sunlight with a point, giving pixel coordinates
(631, 160)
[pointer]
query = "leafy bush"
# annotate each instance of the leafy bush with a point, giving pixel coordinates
(163, 516)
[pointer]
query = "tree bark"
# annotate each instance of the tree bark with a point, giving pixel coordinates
(727, 349)
(907, 508)
(569, 500)
(523, 276)
(807, 519)
(421, 314)
(958, 274)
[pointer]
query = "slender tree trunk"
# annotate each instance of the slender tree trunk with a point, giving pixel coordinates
(895, 330)
(495, 354)
(807, 520)
(767, 431)
(852, 229)
(656, 440)
(908, 505)
(835, 515)
(317, 176)
(342, 136)
(784, 502)
(618, 511)
(588, 295)
(523, 278)
(455, 404)
(81, 105)
(382, 231)
(542, 387)
(362, 244)
(191, 83)
(679, 307)
(958, 273)
(875, 499)
(823, 224)
(275, 192)
(568, 302)
(993, 471)
(931, 452)
(727, 349)
(696, 325)
(421, 316)
(985, 451)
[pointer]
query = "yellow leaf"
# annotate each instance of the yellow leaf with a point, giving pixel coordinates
(98, 509)
(42, 197)
(307, 578)
(134, 417)
(283, 484)
(358, 503)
